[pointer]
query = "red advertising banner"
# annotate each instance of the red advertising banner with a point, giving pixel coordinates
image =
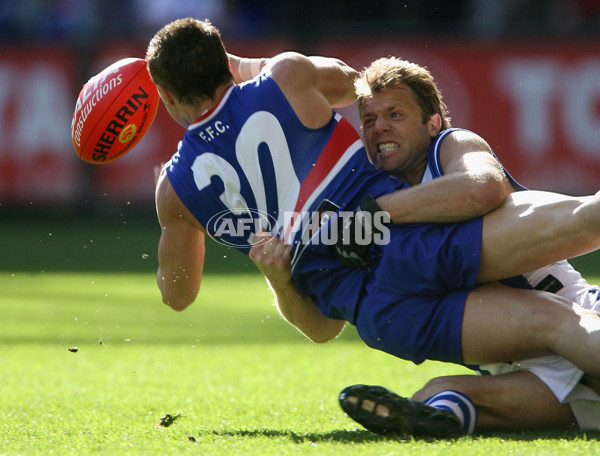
(37, 162)
(536, 103)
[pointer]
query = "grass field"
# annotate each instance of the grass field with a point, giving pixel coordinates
(237, 379)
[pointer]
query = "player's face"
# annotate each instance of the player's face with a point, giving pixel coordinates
(396, 139)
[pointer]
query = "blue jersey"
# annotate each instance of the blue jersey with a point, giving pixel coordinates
(251, 163)
(434, 164)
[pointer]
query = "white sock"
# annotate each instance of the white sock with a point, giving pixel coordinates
(459, 404)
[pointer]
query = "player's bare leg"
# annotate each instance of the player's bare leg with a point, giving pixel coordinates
(505, 324)
(533, 229)
(517, 400)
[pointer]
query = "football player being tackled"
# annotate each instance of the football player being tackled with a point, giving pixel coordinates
(402, 302)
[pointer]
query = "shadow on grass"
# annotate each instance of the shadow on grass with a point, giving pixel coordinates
(363, 436)
(349, 436)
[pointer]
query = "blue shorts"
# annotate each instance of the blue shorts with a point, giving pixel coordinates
(413, 328)
(413, 303)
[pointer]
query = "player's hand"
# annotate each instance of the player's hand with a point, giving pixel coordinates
(357, 231)
(272, 257)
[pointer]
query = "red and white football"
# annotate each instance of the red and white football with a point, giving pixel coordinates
(114, 111)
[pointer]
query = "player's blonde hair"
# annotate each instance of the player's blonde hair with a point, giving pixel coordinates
(392, 72)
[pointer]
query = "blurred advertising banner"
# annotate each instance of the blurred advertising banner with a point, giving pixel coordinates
(537, 103)
(36, 158)
(38, 165)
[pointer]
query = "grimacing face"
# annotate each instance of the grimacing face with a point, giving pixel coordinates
(396, 139)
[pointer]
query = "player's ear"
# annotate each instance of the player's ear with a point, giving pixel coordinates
(165, 96)
(434, 124)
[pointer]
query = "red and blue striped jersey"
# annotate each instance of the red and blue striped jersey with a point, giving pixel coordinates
(250, 162)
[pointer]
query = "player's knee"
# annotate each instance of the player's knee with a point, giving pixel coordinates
(548, 318)
(563, 322)
(437, 385)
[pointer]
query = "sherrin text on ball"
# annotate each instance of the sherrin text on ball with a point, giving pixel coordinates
(114, 111)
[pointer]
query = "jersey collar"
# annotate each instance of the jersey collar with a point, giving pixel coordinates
(210, 112)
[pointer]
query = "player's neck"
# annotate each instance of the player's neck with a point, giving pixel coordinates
(411, 176)
(207, 108)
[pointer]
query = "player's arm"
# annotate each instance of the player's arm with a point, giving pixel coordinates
(180, 248)
(329, 77)
(245, 68)
(273, 260)
(473, 184)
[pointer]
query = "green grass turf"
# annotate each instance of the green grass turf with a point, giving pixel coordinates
(240, 379)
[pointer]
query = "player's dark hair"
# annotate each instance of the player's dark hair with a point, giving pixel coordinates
(391, 72)
(187, 57)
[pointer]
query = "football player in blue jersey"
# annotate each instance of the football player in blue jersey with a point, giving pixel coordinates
(536, 393)
(273, 145)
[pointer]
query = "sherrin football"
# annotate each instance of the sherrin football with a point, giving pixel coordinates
(114, 111)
